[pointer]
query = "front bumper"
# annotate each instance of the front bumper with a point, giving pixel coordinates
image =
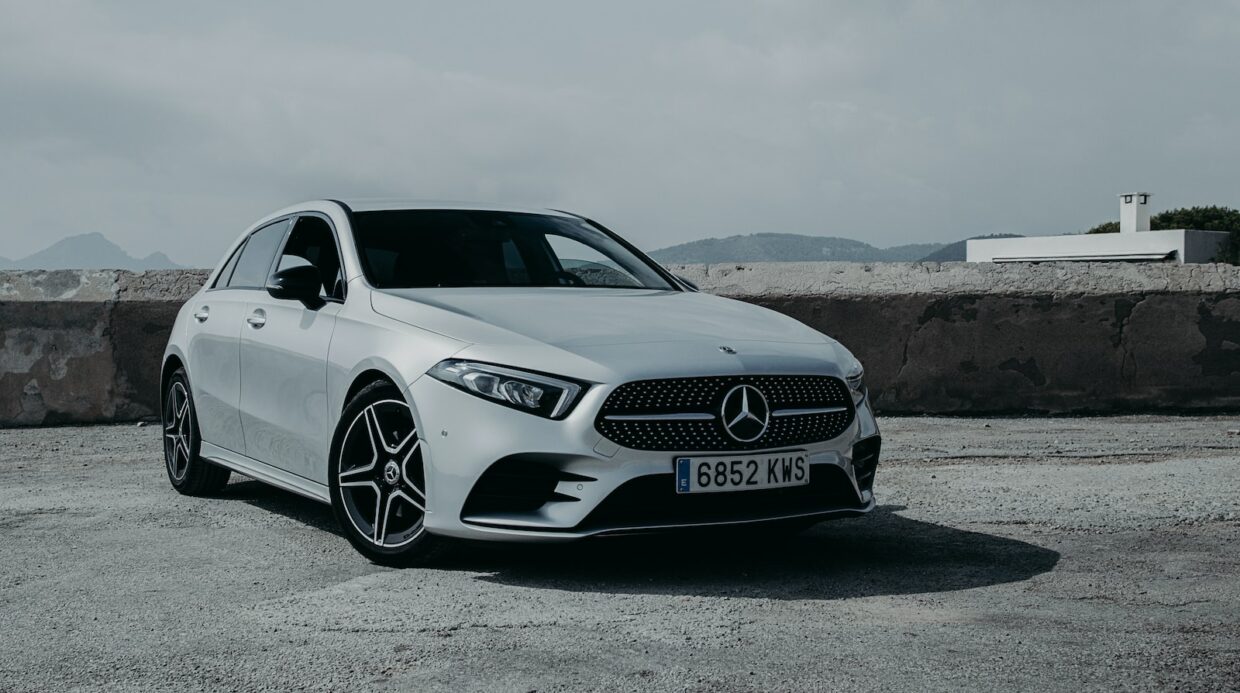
(595, 487)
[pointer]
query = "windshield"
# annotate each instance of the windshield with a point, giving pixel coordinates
(405, 249)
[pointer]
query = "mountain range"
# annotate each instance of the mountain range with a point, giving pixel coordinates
(789, 247)
(95, 251)
(794, 247)
(955, 252)
(88, 251)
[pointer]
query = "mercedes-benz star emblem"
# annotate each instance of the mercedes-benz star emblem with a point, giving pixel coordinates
(391, 472)
(745, 413)
(727, 349)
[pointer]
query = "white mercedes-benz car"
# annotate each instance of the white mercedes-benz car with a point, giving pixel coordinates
(445, 370)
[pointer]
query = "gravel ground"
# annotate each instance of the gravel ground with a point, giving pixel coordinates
(1006, 553)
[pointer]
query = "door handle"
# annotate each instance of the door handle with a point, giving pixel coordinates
(202, 314)
(257, 319)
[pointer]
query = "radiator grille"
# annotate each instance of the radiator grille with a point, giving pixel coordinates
(793, 402)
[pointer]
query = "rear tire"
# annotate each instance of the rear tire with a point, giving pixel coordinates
(188, 472)
(377, 480)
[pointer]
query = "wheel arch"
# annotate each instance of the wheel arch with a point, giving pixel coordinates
(368, 371)
(366, 377)
(172, 361)
(372, 370)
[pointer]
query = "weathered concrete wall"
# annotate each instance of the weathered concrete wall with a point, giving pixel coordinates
(985, 338)
(967, 338)
(85, 346)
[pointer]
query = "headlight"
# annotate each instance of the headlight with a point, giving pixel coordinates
(530, 392)
(855, 378)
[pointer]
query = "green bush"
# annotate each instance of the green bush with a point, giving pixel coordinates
(1212, 218)
(1110, 227)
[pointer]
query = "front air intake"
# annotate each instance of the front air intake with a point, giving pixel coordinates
(518, 484)
(865, 461)
(652, 501)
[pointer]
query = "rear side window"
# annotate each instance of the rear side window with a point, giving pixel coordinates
(222, 279)
(254, 264)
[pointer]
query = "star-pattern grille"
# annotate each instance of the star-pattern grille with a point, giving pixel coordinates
(704, 395)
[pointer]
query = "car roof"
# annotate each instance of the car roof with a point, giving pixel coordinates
(387, 204)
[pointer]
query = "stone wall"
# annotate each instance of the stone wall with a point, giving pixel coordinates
(84, 346)
(994, 339)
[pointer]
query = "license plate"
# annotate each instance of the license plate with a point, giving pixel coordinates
(741, 472)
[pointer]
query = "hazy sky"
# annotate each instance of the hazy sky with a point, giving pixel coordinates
(172, 126)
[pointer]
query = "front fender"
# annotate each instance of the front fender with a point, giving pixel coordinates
(377, 345)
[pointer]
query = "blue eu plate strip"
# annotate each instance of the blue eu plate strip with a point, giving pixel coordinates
(682, 475)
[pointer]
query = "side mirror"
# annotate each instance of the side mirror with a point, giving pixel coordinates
(302, 283)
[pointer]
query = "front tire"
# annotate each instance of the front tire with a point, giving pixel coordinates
(188, 472)
(378, 479)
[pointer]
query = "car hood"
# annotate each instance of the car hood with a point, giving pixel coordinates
(571, 317)
(604, 333)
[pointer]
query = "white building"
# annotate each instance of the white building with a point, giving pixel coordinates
(1134, 242)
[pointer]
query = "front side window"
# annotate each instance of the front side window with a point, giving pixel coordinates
(254, 266)
(404, 249)
(313, 242)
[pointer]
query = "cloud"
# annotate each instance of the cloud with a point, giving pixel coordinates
(889, 122)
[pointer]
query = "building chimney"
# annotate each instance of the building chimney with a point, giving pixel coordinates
(1134, 212)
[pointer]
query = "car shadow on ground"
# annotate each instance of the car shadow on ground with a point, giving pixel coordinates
(281, 502)
(882, 553)
(879, 554)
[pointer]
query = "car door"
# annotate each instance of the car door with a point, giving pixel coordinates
(284, 347)
(214, 333)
